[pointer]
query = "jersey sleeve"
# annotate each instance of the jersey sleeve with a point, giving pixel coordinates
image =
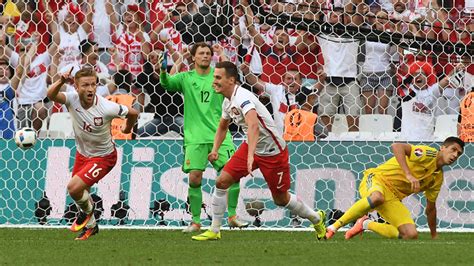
(115, 110)
(422, 154)
(172, 83)
(244, 104)
(225, 115)
(431, 193)
(69, 96)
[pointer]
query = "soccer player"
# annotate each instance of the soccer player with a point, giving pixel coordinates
(96, 154)
(202, 110)
(264, 149)
(411, 170)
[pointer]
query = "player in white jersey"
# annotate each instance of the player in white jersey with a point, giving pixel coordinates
(264, 149)
(96, 155)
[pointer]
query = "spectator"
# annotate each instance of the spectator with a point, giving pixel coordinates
(340, 66)
(418, 109)
(103, 27)
(133, 43)
(32, 20)
(167, 106)
(7, 94)
(276, 58)
(90, 57)
(71, 33)
(466, 118)
(376, 81)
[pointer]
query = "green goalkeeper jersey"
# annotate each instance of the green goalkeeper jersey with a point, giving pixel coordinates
(202, 105)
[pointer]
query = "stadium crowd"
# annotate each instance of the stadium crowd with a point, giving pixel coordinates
(297, 73)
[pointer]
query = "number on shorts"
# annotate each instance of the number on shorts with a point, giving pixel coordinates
(94, 172)
(280, 174)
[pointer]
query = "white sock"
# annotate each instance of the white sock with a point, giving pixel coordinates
(85, 203)
(299, 208)
(219, 205)
(365, 224)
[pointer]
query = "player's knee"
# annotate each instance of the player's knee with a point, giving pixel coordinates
(224, 183)
(411, 234)
(195, 179)
(74, 190)
(281, 199)
(377, 198)
(408, 231)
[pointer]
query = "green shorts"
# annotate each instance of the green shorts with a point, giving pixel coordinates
(195, 156)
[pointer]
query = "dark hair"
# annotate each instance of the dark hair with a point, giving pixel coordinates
(231, 70)
(452, 140)
(197, 45)
(86, 45)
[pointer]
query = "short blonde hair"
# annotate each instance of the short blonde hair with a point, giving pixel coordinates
(85, 72)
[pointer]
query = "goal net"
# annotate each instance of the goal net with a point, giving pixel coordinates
(369, 73)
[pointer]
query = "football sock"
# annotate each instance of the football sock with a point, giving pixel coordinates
(385, 230)
(357, 210)
(219, 201)
(195, 203)
(85, 202)
(233, 199)
(299, 208)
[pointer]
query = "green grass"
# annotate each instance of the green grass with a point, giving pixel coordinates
(153, 247)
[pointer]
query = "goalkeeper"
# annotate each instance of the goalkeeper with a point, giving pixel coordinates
(202, 112)
(411, 170)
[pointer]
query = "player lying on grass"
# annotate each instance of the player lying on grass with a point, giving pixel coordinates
(264, 149)
(91, 117)
(412, 169)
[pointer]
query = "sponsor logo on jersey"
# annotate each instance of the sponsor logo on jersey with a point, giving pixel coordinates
(418, 152)
(244, 104)
(98, 121)
(235, 111)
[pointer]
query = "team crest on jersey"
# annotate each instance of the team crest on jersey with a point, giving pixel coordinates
(418, 152)
(98, 121)
(235, 111)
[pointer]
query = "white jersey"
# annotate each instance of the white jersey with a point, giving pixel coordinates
(270, 141)
(92, 126)
(282, 102)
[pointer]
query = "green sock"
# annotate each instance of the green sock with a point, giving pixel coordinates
(233, 199)
(195, 203)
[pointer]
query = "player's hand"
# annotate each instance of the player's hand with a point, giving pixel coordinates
(250, 164)
(213, 156)
(67, 77)
(126, 130)
(160, 62)
(415, 183)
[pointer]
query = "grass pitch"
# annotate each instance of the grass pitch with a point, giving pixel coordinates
(155, 247)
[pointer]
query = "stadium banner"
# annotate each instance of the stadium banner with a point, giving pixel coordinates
(325, 175)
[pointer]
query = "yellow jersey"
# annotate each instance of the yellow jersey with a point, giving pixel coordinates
(422, 164)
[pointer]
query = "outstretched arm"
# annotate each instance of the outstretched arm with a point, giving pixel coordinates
(430, 212)
(53, 91)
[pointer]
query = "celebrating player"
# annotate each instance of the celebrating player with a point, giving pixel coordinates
(411, 170)
(96, 155)
(202, 109)
(264, 149)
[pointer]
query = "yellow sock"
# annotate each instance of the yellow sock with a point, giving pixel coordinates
(385, 230)
(361, 207)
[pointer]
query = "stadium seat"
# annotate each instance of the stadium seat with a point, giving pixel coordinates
(356, 136)
(144, 118)
(446, 126)
(339, 124)
(60, 126)
(376, 123)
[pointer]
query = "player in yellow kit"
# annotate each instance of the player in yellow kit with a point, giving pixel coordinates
(412, 169)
